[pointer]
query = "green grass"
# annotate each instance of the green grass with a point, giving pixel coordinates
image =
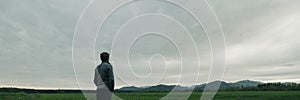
(239, 95)
(258, 95)
(24, 96)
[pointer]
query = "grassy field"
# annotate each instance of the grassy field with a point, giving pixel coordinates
(239, 95)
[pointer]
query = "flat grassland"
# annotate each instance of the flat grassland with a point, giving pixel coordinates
(228, 95)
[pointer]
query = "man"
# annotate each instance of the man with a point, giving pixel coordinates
(104, 78)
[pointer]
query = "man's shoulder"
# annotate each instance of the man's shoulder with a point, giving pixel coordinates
(105, 64)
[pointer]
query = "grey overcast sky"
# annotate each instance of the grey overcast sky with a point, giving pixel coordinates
(262, 43)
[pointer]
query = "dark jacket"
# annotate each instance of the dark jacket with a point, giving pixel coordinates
(104, 76)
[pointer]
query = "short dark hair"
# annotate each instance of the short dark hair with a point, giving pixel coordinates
(104, 56)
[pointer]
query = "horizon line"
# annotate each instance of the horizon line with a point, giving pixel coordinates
(44, 88)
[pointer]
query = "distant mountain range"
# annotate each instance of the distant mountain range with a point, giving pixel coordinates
(244, 85)
(214, 84)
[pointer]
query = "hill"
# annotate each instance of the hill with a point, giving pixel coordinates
(222, 86)
(244, 85)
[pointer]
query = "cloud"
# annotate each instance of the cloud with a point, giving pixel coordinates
(261, 36)
(36, 44)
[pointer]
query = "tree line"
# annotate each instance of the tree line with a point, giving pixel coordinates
(268, 87)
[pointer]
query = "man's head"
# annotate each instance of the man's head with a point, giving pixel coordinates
(104, 56)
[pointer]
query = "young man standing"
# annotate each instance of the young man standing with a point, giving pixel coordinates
(104, 78)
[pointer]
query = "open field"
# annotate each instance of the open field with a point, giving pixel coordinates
(238, 95)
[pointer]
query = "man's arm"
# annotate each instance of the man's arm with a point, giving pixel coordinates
(111, 81)
(96, 77)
